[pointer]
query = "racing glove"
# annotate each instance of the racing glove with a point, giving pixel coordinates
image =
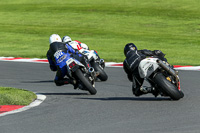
(159, 53)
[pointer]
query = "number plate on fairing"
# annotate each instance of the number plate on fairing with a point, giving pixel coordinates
(69, 61)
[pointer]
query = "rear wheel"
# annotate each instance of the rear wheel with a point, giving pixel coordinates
(167, 87)
(85, 82)
(102, 75)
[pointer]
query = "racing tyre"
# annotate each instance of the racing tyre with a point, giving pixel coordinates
(85, 82)
(167, 87)
(102, 75)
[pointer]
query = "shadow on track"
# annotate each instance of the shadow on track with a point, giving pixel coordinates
(60, 94)
(45, 81)
(129, 98)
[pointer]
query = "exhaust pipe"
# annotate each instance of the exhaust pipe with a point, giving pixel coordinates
(167, 68)
(171, 71)
(102, 63)
(91, 71)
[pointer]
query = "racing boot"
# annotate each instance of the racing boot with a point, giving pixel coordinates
(146, 90)
(63, 81)
(66, 81)
(155, 92)
(74, 83)
(136, 91)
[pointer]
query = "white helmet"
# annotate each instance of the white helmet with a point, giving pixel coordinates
(54, 38)
(66, 39)
(84, 46)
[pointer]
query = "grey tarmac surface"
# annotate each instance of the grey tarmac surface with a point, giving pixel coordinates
(113, 109)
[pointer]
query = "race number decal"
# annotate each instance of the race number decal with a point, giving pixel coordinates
(58, 54)
(79, 47)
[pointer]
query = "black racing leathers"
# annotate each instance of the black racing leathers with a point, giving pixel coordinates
(52, 50)
(57, 55)
(131, 63)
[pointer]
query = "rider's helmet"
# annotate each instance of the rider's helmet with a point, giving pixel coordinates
(128, 47)
(54, 38)
(66, 39)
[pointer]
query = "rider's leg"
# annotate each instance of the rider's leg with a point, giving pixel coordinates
(60, 80)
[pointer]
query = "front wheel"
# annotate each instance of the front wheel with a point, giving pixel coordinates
(102, 75)
(167, 87)
(85, 82)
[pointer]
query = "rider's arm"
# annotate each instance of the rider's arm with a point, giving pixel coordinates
(74, 51)
(157, 53)
(52, 65)
(152, 53)
(146, 52)
(127, 70)
(70, 49)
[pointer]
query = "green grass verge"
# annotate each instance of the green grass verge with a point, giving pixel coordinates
(106, 26)
(14, 96)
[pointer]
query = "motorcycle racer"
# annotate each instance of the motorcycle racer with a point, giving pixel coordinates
(81, 47)
(84, 49)
(57, 56)
(75, 44)
(131, 63)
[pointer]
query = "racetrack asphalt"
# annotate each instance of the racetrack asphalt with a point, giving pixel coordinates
(113, 109)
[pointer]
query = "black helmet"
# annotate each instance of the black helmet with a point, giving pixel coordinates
(129, 46)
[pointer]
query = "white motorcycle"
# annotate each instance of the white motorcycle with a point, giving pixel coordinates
(97, 63)
(94, 59)
(162, 77)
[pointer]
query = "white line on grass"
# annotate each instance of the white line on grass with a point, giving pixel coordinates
(38, 101)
